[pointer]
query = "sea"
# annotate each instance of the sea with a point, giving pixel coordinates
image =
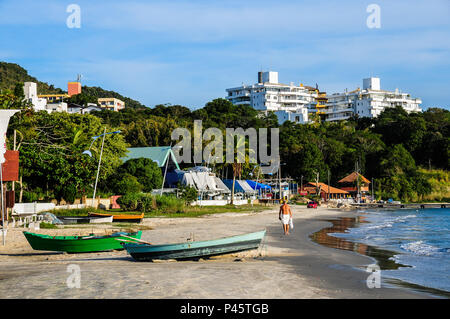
(416, 242)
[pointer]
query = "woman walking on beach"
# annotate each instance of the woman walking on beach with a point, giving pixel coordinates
(285, 216)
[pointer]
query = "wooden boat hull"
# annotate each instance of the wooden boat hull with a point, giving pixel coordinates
(192, 250)
(85, 220)
(124, 218)
(78, 244)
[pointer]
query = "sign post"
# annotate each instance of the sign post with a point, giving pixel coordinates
(5, 115)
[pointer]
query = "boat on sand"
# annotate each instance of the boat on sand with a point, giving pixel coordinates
(193, 250)
(80, 244)
(121, 217)
(85, 219)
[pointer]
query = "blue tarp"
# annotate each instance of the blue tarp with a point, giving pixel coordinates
(258, 185)
(241, 186)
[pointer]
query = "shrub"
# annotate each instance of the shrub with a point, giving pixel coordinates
(147, 172)
(170, 204)
(188, 194)
(75, 211)
(146, 203)
(66, 192)
(127, 184)
(45, 225)
(129, 201)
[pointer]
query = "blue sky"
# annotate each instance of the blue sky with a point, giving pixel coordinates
(189, 52)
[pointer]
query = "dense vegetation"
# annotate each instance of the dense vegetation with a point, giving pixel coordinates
(407, 155)
(11, 74)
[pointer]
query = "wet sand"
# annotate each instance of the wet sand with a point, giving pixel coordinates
(284, 267)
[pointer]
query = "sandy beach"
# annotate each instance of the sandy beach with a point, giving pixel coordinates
(284, 267)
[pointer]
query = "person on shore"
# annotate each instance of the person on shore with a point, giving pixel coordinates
(285, 216)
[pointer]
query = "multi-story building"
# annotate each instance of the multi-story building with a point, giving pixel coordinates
(74, 88)
(368, 102)
(30, 92)
(54, 98)
(111, 103)
(289, 102)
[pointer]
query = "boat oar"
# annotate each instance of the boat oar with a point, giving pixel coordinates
(125, 240)
(139, 240)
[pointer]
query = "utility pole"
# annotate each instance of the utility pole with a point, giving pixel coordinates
(372, 189)
(301, 183)
(328, 185)
(279, 177)
(357, 182)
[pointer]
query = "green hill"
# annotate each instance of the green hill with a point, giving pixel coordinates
(98, 92)
(11, 74)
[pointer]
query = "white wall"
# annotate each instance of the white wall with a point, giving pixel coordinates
(271, 77)
(371, 83)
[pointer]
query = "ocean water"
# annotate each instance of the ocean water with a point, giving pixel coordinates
(419, 240)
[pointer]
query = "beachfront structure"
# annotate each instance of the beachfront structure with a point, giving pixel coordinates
(368, 102)
(241, 187)
(290, 102)
(351, 182)
(111, 103)
(202, 179)
(326, 191)
(158, 154)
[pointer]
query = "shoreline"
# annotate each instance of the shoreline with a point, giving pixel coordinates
(284, 267)
(382, 256)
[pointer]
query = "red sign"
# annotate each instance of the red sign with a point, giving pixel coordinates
(10, 168)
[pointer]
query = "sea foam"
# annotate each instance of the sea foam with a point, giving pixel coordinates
(420, 248)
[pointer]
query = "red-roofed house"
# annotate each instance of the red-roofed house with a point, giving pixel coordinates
(325, 190)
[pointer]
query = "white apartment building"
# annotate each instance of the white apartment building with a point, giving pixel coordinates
(368, 102)
(30, 92)
(289, 102)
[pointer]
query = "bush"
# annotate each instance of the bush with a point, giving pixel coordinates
(29, 197)
(145, 203)
(127, 184)
(66, 192)
(170, 204)
(129, 201)
(188, 194)
(45, 225)
(147, 172)
(75, 211)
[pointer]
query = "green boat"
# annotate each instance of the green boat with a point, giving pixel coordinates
(80, 244)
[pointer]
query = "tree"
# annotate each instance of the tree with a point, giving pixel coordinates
(187, 193)
(51, 152)
(146, 172)
(126, 184)
(82, 99)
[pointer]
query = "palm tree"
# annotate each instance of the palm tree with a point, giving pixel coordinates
(238, 167)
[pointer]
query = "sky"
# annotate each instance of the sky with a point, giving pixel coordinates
(188, 52)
